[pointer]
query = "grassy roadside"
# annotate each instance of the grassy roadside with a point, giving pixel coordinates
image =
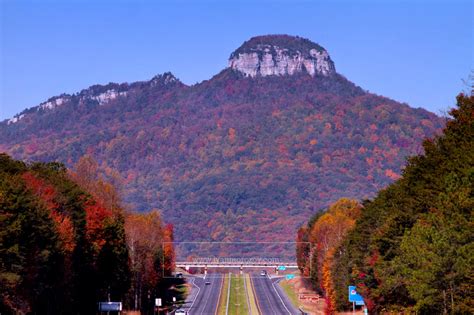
(238, 297)
(298, 285)
(223, 296)
(290, 292)
(251, 296)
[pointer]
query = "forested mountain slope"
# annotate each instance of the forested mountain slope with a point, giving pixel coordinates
(246, 155)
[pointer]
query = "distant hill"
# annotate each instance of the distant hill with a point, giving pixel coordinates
(246, 155)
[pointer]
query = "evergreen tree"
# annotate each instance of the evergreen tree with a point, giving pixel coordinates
(412, 247)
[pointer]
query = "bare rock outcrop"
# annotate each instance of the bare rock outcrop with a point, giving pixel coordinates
(281, 55)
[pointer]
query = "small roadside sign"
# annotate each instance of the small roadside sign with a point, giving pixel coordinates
(281, 268)
(157, 302)
(354, 296)
(110, 306)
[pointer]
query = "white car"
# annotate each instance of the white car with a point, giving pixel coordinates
(263, 273)
(180, 312)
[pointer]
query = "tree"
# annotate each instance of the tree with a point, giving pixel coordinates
(411, 249)
(326, 232)
(151, 254)
(437, 253)
(61, 249)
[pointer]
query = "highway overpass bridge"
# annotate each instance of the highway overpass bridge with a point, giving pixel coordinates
(218, 263)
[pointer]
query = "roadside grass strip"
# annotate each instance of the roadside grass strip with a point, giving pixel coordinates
(251, 295)
(238, 297)
(224, 296)
(290, 291)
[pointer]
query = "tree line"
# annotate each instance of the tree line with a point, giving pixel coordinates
(66, 242)
(410, 249)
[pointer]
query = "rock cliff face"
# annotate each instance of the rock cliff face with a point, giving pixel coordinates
(281, 55)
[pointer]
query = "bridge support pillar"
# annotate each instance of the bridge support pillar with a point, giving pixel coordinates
(241, 269)
(205, 270)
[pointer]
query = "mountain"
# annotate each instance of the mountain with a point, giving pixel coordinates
(246, 155)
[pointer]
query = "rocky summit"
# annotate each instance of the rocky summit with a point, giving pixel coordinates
(281, 55)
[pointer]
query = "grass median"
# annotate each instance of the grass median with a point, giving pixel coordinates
(238, 296)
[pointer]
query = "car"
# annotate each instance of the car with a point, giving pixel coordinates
(180, 312)
(263, 273)
(179, 275)
(207, 282)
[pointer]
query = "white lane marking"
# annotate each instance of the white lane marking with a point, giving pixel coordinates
(207, 299)
(266, 295)
(273, 285)
(199, 290)
(210, 290)
(228, 295)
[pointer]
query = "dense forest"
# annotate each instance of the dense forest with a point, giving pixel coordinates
(230, 158)
(411, 248)
(66, 243)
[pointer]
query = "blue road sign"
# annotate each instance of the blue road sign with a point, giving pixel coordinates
(354, 296)
(110, 306)
(289, 277)
(282, 268)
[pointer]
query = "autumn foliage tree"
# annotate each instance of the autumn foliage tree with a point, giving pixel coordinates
(325, 232)
(151, 254)
(412, 249)
(63, 240)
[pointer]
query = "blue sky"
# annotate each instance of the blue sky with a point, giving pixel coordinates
(416, 52)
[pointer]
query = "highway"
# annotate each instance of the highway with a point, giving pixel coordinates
(270, 298)
(204, 299)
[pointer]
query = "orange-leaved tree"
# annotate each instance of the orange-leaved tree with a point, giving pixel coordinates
(326, 233)
(151, 253)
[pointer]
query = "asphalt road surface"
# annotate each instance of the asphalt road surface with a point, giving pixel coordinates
(204, 298)
(271, 299)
